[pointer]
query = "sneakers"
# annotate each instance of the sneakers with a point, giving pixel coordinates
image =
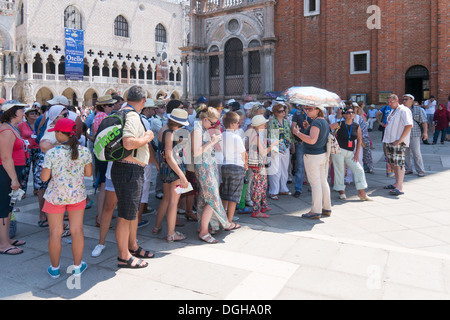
(53, 273)
(98, 250)
(78, 270)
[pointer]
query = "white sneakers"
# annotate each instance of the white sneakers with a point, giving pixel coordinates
(98, 250)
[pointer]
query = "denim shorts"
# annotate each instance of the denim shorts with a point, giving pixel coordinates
(128, 180)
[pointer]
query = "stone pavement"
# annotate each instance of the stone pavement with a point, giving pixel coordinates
(391, 248)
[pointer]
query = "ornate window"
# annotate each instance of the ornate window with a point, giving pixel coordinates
(160, 33)
(72, 18)
(121, 27)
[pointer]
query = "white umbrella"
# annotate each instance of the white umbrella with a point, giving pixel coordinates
(312, 96)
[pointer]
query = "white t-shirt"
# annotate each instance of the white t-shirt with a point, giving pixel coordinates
(397, 120)
(233, 147)
(431, 107)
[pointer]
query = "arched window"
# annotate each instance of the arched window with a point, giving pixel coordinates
(72, 18)
(121, 27)
(160, 33)
(234, 63)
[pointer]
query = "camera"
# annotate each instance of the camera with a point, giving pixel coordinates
(15, 196)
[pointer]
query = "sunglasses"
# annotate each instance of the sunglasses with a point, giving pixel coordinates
(281, 111)
(349, 112)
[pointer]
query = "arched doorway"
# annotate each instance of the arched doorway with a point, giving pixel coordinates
(417, 82)
(234, 67)
(71, 95)
(43, 95)
(90, 97)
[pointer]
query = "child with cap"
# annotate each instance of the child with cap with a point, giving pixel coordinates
(257, 153)
(65, 166)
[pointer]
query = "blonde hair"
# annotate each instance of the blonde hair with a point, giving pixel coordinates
(208, 112)
(255, 109)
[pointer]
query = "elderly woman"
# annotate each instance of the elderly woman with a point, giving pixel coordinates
(12, 162)
(315, 140)
(28, 133)
(279, 129)
(47, 142)
(347, 132)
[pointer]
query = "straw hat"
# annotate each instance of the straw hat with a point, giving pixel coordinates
(258, 120)
(106, 100)
(179, 116)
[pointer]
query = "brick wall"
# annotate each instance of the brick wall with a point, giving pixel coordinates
(316, 50)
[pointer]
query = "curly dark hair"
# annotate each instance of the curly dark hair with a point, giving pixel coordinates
(10, 114)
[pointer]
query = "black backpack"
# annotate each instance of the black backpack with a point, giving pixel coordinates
(108, 144)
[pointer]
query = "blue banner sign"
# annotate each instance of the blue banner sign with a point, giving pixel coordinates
(74, 54)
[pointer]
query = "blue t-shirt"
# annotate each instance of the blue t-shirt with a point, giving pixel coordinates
(321, 144)
(386, 110)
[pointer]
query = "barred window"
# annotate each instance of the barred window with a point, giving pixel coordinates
(121, 27)
(72, 18)
(160, 33)
(234, 63)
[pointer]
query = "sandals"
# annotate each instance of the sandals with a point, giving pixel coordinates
(8, 251)
(146, 255)
(176, 236)
(190, 216)
(260, 215)
(285, 193)
(43, 223)
(310, 215)
(273, 197)
(208, 238)
(129, 263)
(390, 187)
(395, 192)
(235, 227)
(156, 230)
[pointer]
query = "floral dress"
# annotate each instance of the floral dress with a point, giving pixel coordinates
(67, 183)
(208, 180)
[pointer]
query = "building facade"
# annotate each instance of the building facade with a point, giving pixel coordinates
(125, 43)
(364, 49)
(230, 49)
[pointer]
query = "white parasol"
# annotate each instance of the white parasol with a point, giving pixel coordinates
(312, 96)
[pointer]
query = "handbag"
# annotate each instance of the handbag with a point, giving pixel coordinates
(332, 143)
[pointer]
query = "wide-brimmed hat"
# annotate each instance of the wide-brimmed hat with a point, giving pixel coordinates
(179, 116)
(258, 120)
(106, 100)
(59, 100)
(149, 103)
(12, 103)
(159, 103)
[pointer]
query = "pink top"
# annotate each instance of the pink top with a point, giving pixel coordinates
(98, 119)
(28, 134)
(18, 153)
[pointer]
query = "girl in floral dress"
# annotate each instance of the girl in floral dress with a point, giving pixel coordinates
(67, 165)
(210, 208)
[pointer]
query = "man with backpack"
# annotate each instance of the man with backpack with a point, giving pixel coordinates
(127, 175)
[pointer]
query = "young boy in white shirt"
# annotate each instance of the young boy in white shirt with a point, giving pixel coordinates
(234, 164)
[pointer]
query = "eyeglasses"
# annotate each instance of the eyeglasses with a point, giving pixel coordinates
(308, 109)
(32, 113)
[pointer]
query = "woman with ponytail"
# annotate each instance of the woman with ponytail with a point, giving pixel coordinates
(65, 166)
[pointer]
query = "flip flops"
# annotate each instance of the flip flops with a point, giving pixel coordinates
(390, 187)
(395, 192)
(8, 251)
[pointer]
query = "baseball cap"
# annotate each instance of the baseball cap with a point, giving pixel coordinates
(65, 125)
(59, 100)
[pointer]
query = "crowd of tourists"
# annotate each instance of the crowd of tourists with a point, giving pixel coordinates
(213, 159)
